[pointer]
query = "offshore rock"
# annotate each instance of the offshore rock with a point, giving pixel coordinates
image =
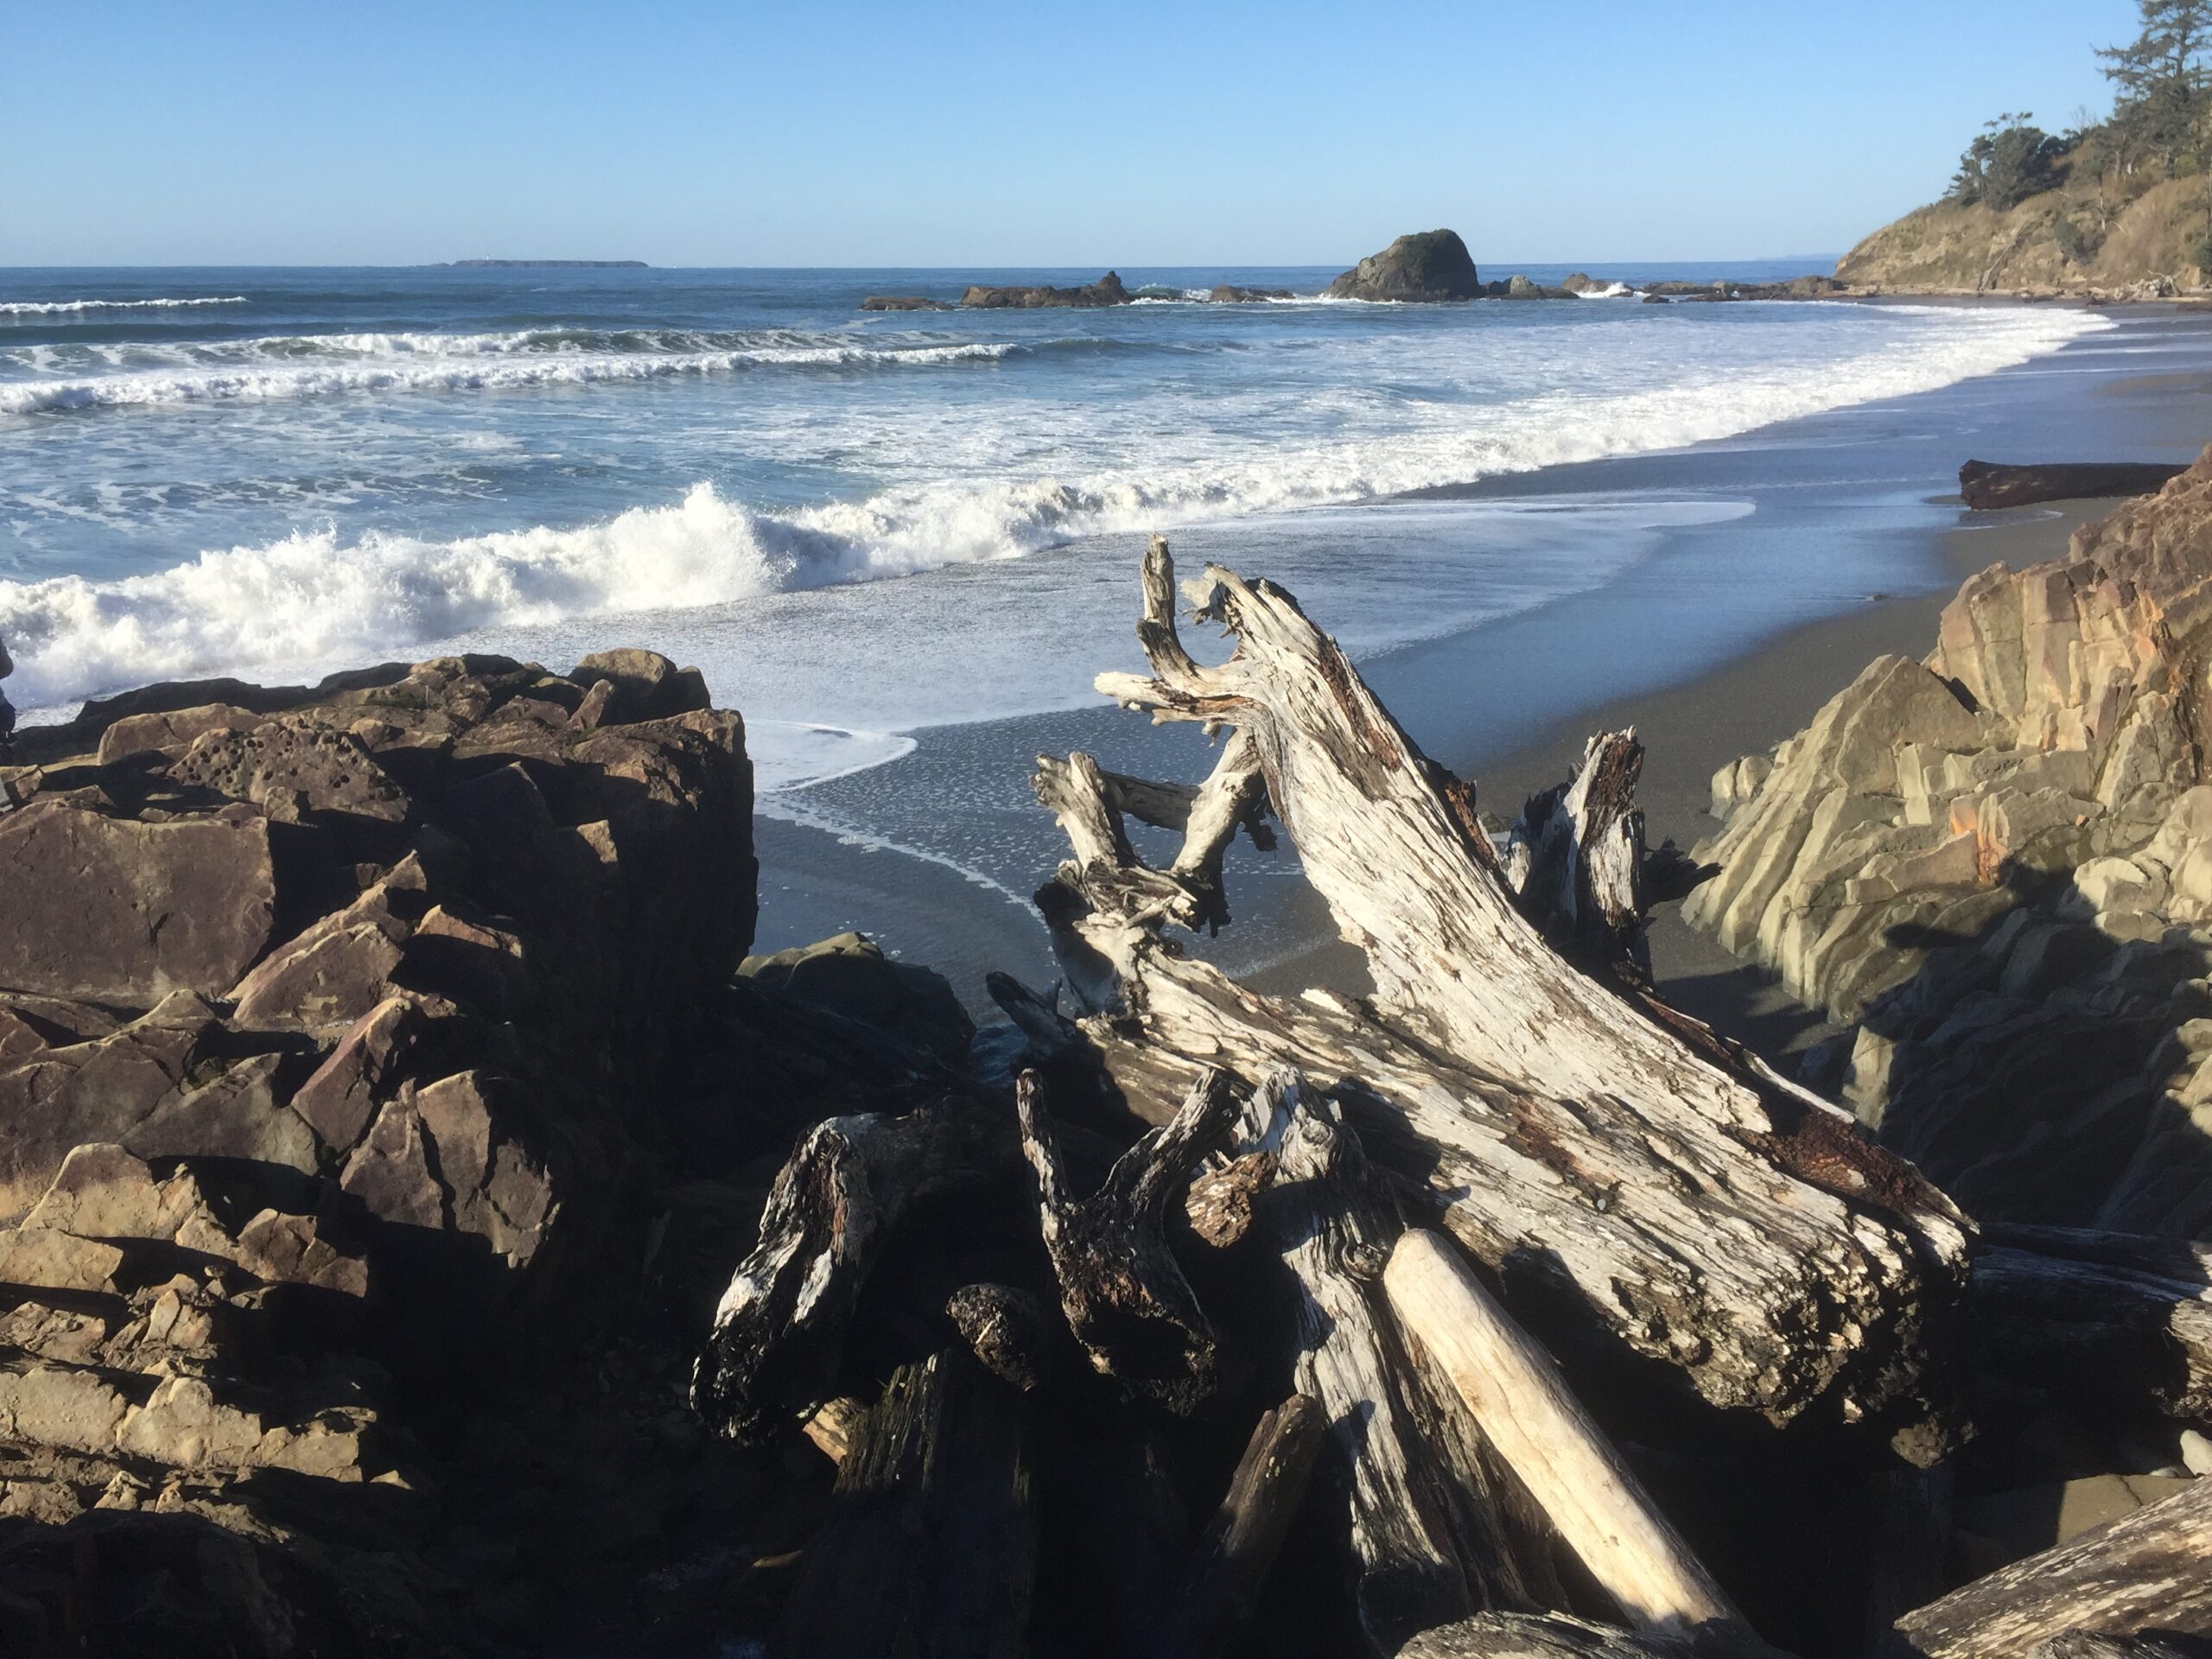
(1998, 864)
(1107, 290)
(1427, 266)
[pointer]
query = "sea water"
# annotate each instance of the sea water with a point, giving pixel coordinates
(860, 524)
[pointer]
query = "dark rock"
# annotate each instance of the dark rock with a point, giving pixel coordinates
(1428, 265)
(1230, 294)
(850, 974)
(1107, 290)
(294, 770)
(903, 302)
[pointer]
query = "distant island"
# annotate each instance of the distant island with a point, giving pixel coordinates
(2116, 208)
(543, 264)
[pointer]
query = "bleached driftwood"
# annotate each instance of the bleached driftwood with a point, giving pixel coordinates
(1221, 1585)
(1125, 1298)
(1522, 1405)
(1575, 857)
(1692, 1204)
(2124, 1321)
(1556, 1635)
(2146, 1571)
(1429, 1541)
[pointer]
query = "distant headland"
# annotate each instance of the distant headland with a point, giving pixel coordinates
(543, 264)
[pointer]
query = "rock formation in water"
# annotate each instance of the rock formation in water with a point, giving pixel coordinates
(1107, 290)
(1998, 863)
(1427, 265)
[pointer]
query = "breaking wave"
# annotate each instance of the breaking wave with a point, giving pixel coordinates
(57, 308)
(314, 598)
(256, 370)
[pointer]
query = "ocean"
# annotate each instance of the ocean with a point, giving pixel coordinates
(865, 527)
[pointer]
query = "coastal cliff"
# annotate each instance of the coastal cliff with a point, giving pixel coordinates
(1997, 863)
(2064, 240)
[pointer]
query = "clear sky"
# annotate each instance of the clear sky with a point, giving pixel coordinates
(715, 132)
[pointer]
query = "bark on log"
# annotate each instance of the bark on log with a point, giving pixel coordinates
(1230, 1567)
(2147, 1571)
(2082, 1645)
(1429, 1542)
(779, 1331)
(1556, 1635)
(1574, 859)
(2121, 1321)
(929, 1548)
(1693, 1203)
(1008, 1330)
(1125, 1297)
(1990, 485)
(1522, 1405)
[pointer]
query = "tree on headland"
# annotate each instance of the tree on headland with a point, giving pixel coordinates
(2008, 162)
(2159, 80)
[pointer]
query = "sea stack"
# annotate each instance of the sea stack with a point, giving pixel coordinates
(1427, 266)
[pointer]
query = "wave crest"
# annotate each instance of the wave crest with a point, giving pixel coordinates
(58, 308)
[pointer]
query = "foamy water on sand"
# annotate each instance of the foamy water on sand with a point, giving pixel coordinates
(858, 523)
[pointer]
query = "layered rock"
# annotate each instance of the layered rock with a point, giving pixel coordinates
(335, 1029)
(1997, 863)
(1424, 267)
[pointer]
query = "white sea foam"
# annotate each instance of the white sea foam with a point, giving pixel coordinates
(56, 308)
(1611, 291)
(396, 363)
(318, 599)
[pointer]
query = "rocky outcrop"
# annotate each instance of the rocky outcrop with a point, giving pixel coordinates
(1427, 266)
(1996, 864)
(1230, 294)
(338, 1032)
(904, 303)
(2072, 239)
(1107, 290)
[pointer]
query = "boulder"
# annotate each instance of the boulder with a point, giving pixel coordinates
(850, 975)
(1230, 294)
(1424, 267)
(172, 731)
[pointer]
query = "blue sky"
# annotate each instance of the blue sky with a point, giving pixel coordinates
(979, 134)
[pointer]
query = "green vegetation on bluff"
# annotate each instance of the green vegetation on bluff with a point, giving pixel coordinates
(2121, 203)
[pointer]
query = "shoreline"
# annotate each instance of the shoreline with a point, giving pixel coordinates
(1721, 644)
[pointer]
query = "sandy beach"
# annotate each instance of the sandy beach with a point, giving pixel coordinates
(1724, 641)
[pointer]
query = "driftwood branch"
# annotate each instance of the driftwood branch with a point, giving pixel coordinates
(1124, 1296)
(1229, 1568)
(779, 1331)
(1556, 1635)
(1691, 1203)
(1522, 1405)
(1575, 858)
(2146, 1571)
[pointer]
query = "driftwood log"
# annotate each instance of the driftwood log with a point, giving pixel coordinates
(1691, 1205)
(1555, 1636)
(930, 1545)
(2148, 1571)
(1989, 486)
(1221, 1585)
(2117, 1320)
(1523, 1406)
(1431, 1539)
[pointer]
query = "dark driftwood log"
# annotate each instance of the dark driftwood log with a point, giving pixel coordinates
(1230, 1567)
(1556, 1635)
(1681, 1197)
(1010, 1330)
(1429, 1541)
(930, 1544)
(2081, 1644)
(779, 1331)
(1125, 1298)
(2120, 1321)
(2148, 1571)
(1988, 486)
